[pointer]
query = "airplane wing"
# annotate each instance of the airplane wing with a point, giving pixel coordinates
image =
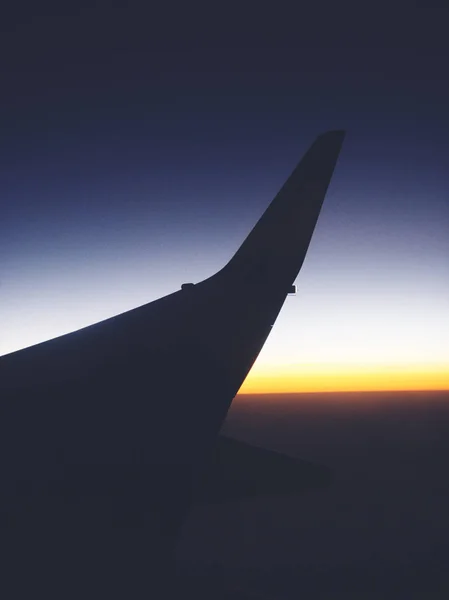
(140, 398)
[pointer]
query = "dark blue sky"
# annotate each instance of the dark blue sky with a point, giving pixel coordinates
(138, 149)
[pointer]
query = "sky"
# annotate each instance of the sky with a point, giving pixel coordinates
(139, 148)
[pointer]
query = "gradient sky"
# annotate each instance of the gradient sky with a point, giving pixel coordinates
(138, 150)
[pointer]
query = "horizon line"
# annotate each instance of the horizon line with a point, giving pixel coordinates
(364, 391)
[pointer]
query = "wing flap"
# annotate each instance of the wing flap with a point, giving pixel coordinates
(239, 470)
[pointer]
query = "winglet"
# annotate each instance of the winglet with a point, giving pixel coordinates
(274, 251)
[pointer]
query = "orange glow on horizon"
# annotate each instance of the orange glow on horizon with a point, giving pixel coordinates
(345, 378)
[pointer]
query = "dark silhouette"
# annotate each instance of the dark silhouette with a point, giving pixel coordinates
(107, 433)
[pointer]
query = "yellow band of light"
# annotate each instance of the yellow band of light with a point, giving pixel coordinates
(345, 378)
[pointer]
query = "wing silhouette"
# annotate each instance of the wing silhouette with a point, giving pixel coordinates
(111, 426)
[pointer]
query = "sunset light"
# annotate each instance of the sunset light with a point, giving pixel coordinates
(308, 378)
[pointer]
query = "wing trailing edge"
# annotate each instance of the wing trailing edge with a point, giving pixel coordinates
(238, 470)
